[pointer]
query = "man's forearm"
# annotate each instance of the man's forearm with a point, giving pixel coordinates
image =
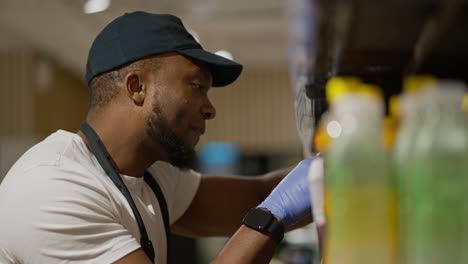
(247, 246)
(288, 203)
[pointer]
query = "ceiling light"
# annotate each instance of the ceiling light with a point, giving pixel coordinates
(94, 6)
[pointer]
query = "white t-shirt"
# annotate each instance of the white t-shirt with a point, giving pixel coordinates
(57, 205)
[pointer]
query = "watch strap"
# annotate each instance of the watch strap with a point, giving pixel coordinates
(270, 225)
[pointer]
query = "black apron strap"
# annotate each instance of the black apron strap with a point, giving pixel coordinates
(149, 179)
(106, 162)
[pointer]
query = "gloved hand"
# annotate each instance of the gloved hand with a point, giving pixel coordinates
(290, 200)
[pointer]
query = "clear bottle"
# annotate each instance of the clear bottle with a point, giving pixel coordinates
(409, 111)
(324, 137)
(361, 204)
(439, 176)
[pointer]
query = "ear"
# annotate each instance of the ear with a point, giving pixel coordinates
(135, 87)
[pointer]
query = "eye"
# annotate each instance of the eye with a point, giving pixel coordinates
(198, 87)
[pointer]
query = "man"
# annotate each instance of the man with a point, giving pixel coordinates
(88, 197)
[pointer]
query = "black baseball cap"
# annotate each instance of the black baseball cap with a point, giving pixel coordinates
(137, 35)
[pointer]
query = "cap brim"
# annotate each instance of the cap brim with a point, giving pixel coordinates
(224, 71)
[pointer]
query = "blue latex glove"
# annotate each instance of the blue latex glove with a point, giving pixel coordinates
(290, 200)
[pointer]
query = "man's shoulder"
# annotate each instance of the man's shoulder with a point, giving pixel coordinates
(59, 157)
(59, 151)
(52, 197)
(52, 169)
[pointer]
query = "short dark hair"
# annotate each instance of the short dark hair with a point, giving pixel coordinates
(105, 86)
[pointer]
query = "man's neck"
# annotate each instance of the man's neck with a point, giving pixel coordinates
(127, 145)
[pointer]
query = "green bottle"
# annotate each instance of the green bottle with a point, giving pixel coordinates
(437, 230)
(410, 113)
(410, 121)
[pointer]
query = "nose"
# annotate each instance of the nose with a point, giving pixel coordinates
(208, 110)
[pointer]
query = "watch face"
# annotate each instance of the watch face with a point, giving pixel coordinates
(259, 218)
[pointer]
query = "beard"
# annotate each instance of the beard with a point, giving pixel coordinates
(179, 154)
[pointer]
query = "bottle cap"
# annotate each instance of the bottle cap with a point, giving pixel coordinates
(414, 83)
(338, 86)
(370, 90)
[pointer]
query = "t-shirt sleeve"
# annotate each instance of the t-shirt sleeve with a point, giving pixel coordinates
(67, 216)
(178, 186)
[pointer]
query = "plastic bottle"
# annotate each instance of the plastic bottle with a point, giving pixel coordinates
(439, 176)
(329, 128)
(360, 203)
(326, 131)
(409, 108)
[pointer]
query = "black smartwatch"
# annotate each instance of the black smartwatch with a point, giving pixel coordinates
(264, 221)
